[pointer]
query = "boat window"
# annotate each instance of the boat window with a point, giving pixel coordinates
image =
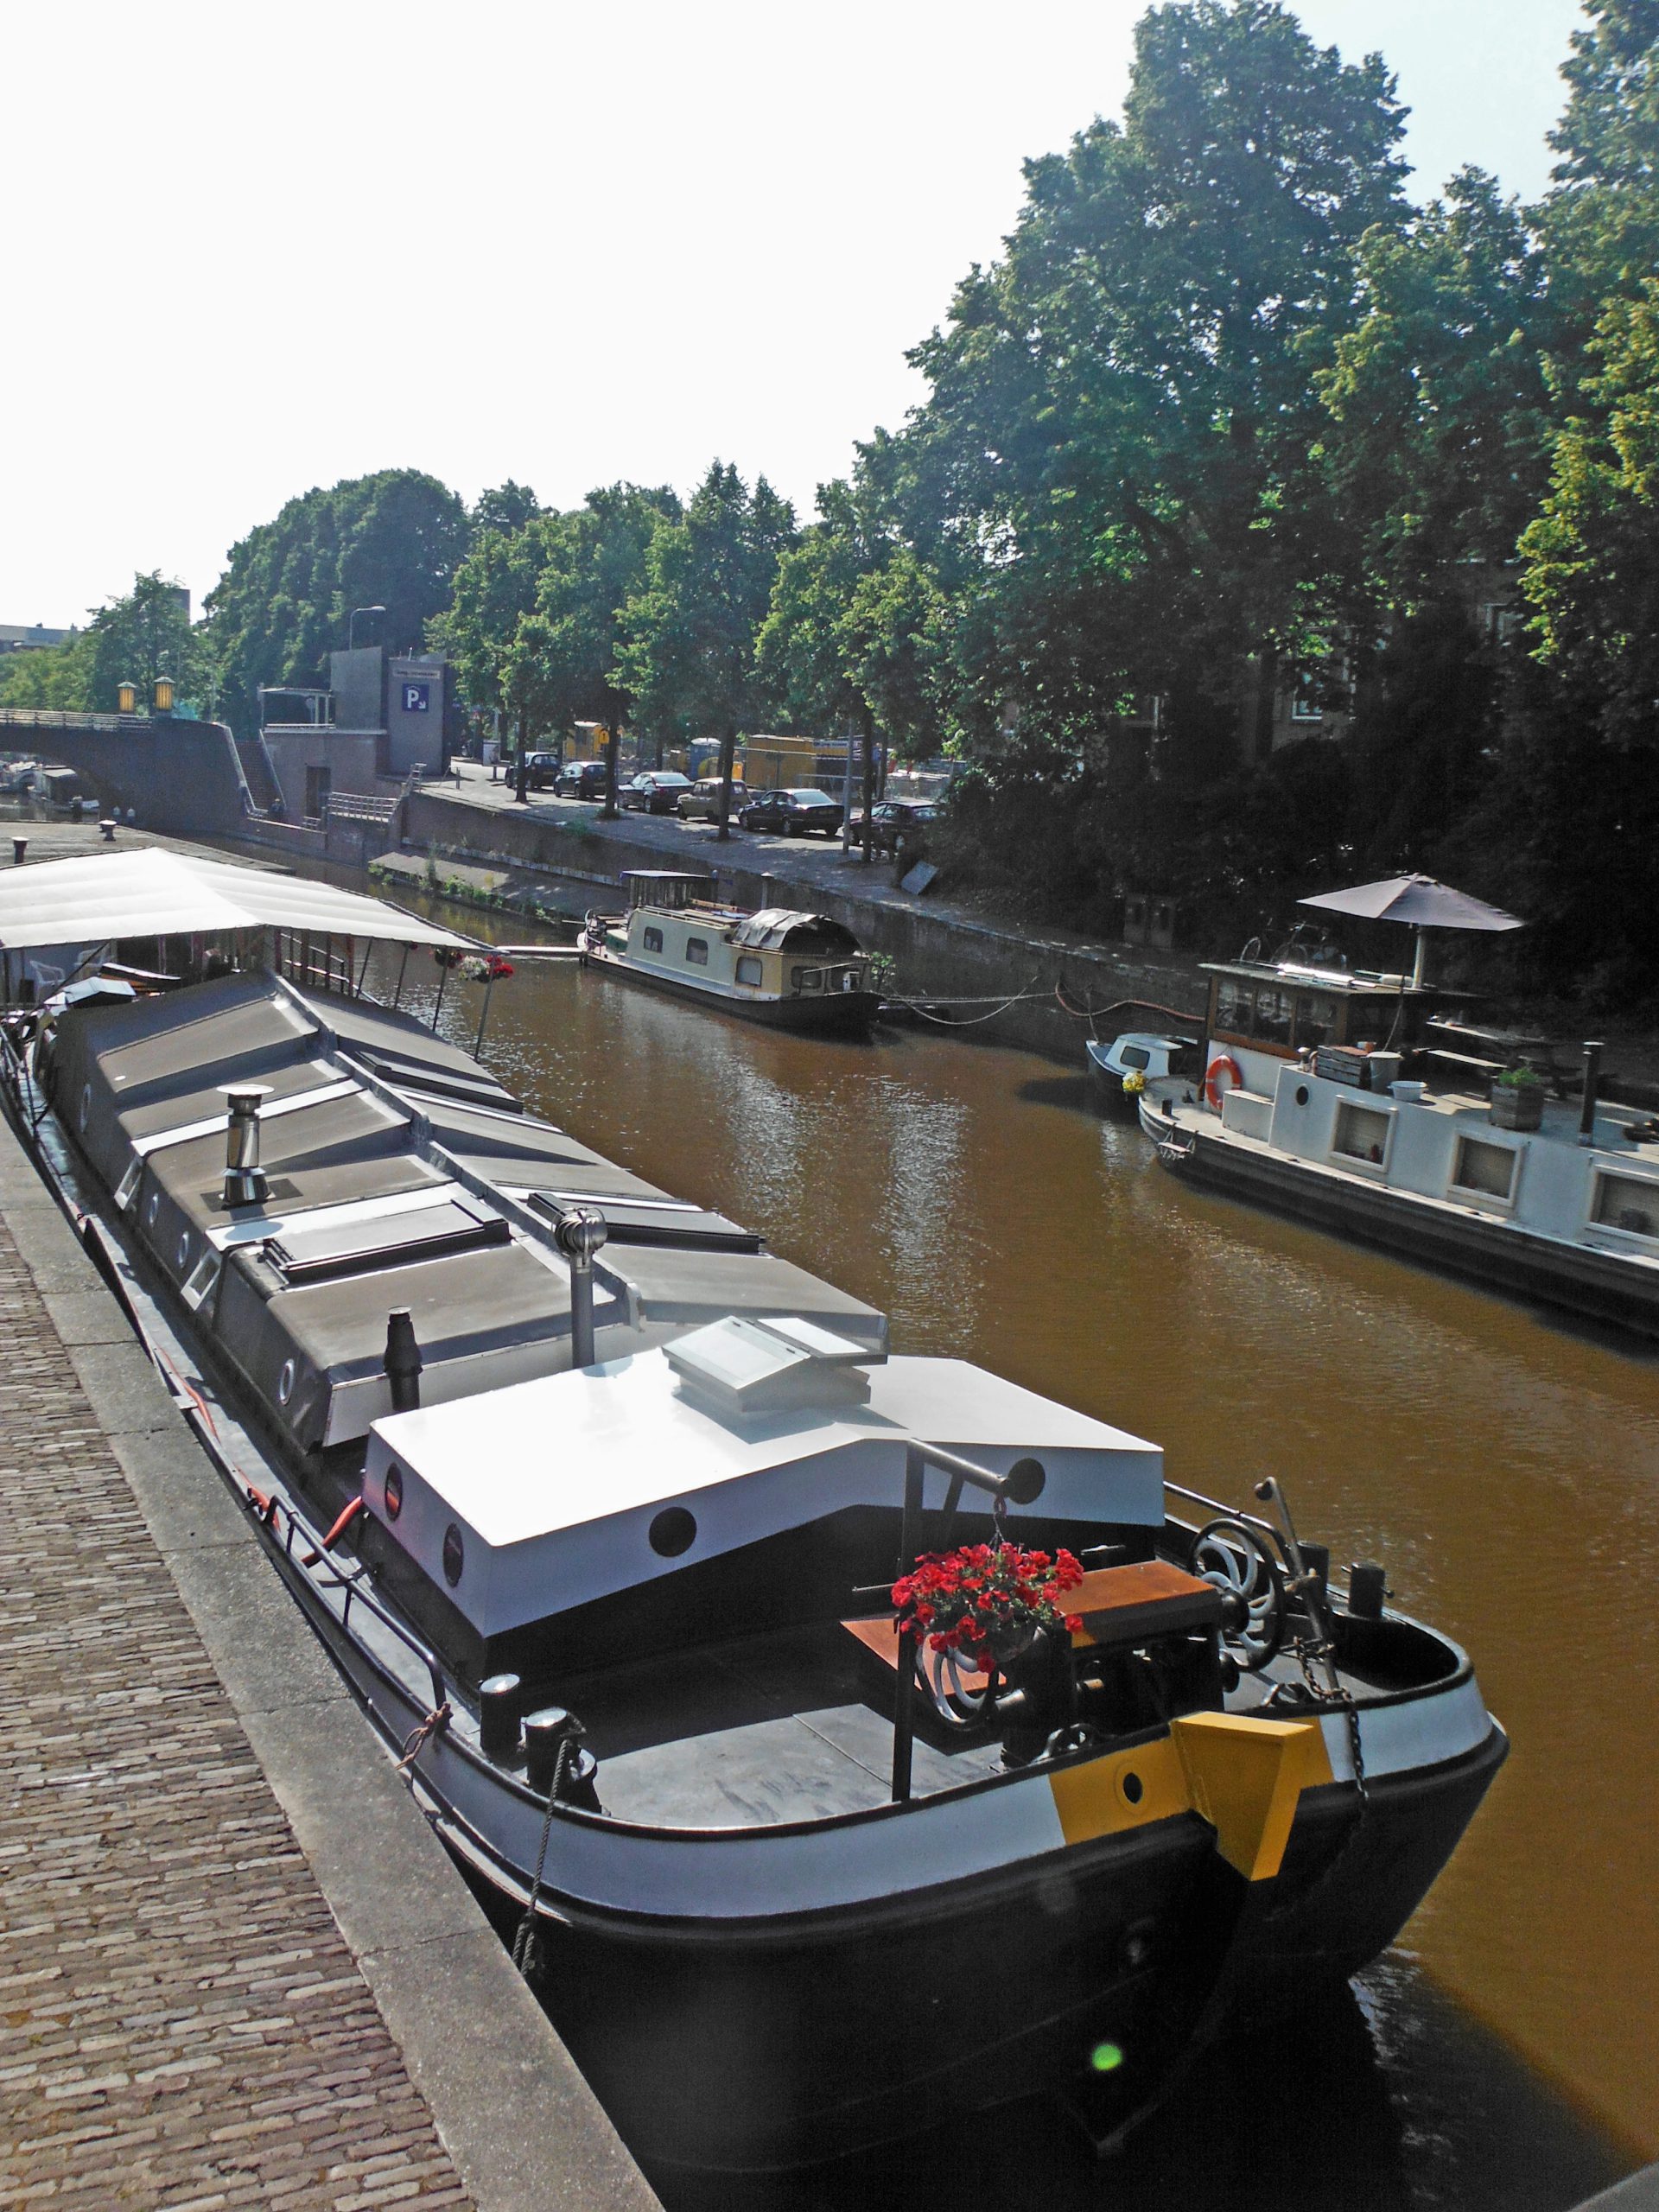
(696, 951)
(1362, 1134)
(1235, 1005)
(1274, 1010)
(1135, 1056)
(1316, 1018)
(1628, 1202)
(1488, 1168)
(653, 940)
(807, 979)
(748, 970)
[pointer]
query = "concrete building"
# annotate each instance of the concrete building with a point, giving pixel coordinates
(383, 716)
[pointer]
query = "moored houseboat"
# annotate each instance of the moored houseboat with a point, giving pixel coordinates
(598, 1505)
(1348, 1100)
(791, 970)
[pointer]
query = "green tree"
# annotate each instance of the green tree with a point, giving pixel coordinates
(286, 597)
(1601, 220)
(1116, 448)
(844, 644)
(599, 565)
(1438, 439)
(144, 634)
(1592, 553)
(686, 654)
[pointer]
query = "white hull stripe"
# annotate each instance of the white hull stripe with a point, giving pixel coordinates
(1425, 1731)
(750, 1872)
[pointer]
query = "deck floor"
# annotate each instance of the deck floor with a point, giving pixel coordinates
(775, 1729)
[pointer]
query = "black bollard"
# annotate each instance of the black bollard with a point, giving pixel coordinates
(403, 1361)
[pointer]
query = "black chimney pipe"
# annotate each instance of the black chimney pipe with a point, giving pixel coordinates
(403, 1361)
(1591, 1079)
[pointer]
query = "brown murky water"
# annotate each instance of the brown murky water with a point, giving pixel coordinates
(1504, 1466)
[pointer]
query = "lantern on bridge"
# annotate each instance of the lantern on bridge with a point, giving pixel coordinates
(126, 698)
(163, 694)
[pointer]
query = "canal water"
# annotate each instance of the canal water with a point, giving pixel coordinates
(1504, 1465)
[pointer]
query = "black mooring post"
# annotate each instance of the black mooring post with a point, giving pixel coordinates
(403, 1361)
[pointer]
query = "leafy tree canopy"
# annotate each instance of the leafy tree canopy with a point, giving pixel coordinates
(1116, 448)
(285, 602)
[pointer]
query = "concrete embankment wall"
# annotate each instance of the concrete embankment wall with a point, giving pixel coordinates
(936, 955)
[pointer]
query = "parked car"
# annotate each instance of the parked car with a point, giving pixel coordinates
(899, 825)
(655, 790)
(793, 813)
(541, 771)
(582, 780)
(700, 802)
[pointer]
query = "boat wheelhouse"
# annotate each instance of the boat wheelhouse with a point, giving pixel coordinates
(1351, 1100)
(598, 1505)
(792, 970)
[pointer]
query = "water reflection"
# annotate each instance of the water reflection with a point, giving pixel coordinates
(1504, 1467)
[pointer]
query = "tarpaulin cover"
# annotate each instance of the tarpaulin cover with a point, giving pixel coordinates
(156, 893)
(772, 927)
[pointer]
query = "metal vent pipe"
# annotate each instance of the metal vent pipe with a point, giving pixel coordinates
(244, 1179)
(1592, 1084)
(579, 1236)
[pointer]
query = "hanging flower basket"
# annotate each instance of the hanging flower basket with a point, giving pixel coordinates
(485, 968)
(986, 1601)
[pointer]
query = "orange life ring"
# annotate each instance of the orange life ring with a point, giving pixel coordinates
(1224, 1063)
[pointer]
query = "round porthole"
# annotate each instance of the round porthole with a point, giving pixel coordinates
(184, 1249)
(152, 1207)
(84, 1114)
(1302, 1094)
(454, 1557)
(285, 1382)
(394, 1492)
(673, 1532)
(1132, 1786)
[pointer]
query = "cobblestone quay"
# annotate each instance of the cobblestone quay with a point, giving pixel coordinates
(183, 2023)
(235, 1968)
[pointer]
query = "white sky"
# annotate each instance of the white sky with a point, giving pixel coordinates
(253, 249)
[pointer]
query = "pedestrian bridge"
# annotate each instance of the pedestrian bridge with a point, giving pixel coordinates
(191, 778)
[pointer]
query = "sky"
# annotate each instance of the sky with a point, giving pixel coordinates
(251, 250)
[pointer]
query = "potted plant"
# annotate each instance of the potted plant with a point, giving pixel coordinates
(1518, 1099)
(994, 1608)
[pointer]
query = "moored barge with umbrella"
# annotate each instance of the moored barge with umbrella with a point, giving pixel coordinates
(1348, 1099)
(598, 1505)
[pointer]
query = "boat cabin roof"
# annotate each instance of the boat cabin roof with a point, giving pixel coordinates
(666, 887)
(549, 1494)
(774, 927)
(1359, 982)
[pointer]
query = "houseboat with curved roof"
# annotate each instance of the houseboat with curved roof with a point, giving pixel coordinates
(598, 1505)
(1351, 1100)
(790, 969)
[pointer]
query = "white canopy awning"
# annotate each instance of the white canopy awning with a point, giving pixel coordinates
(155, 894)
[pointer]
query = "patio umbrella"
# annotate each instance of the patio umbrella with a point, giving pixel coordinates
(1421, 904)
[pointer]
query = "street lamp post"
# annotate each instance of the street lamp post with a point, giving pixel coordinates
(351, 627)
